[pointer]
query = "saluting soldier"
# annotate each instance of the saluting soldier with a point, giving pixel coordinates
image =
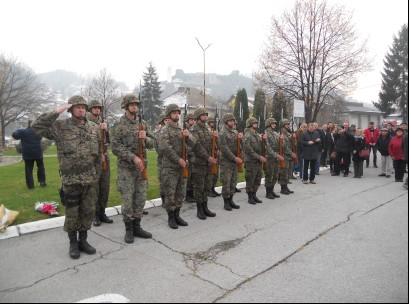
(94, 114)
(77, 144)
(171, 141)
(189, 121)
(131, 182)
(212, 179)
(201, 161)
(254, 160)
(228, 138)
(288, 155)
(271, 169)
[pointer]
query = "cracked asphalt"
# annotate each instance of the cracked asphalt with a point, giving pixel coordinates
(341, 240)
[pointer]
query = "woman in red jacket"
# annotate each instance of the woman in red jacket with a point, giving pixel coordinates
(396, 151)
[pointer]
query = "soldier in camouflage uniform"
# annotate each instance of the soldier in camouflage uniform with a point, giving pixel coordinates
(130, 181)
(271, 169)
(288, 155)
(170, 146)
(189, 122)
(94, 113)
(77, 151)
(229, 160)
(253, 160)
(201, 161)
(212, 179)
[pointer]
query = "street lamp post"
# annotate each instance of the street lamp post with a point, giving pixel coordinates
(204, 50)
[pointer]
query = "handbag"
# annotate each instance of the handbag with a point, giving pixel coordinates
(364, 153)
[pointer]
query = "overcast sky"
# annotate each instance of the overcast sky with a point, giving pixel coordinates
(123, 36)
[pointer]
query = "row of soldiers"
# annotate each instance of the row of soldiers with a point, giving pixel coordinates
(82, 142)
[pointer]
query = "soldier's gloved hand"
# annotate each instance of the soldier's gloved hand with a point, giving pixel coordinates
(103, 126)
(262, 159)
(264, 136)
(238, 160)
(62, 108)
(293, 155)
(138, 163)
(182, 163)
(280, 158)
(142, 134)
(186, 133)
(212, 160)
(240, 135)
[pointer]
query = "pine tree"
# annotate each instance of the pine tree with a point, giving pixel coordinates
(394, 89)
(279, 110)
(241, 112)
(150, 96)
(259, 111)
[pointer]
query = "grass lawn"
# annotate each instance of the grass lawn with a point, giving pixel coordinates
(15, 195)
(11, 151)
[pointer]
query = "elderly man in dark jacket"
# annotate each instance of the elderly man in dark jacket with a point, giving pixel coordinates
(32, 152)
(311, 142)
(344, 141)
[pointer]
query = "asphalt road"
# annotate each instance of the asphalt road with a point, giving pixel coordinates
(341, 240)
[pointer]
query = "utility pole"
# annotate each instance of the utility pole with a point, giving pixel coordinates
(204, 50)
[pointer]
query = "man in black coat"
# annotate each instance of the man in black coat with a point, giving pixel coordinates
(311, 142)
(344, 141)
(31, 152)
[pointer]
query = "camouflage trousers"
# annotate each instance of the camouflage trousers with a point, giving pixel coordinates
(212, 180)
(79, 206)
(253, 174)
(132, 187)
(199, 178)
(228, 178)
(189, 184)
(159, 165)
(271, 173)
(290, 166)
(103, 190)
(283, 175)
(173, 186)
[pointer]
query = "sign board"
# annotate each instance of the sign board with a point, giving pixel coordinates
(299, 111)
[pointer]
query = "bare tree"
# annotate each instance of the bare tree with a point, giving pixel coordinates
(313, 51)
(21, 94)
(106, 90)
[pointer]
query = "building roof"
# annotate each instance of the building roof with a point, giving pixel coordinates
(359, 107)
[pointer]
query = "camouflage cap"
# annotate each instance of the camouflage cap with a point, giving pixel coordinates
(128, 99)
(190, 116)
(250, 122)
(270, 121)
(228, 117)
(199, 112)
(284, 122)
(170, 108)
(94, 103)
(76, 100)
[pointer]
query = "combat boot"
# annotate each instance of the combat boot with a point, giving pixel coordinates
(83, 245)
(284, 190)
(256, 198)
(74, 251)
(104, 218)
(180, 221)
(129, 237)
(97, 221)
(211, 194)
(251, 198)
(268, 193)
(233, 205)
(172, 223)
(274, 194)
(207, 212)
(200, 211)
(138, 230)
(227, 205)
(288, 190)
(237, 190)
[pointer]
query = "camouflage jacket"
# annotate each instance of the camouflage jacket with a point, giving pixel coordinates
(202, 149)
(252, 145)
(228, 144)
(287, 143)
(77, 146)
(272, 143)
(170, 145)
(125, 141)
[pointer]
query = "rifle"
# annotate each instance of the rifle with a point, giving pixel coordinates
(263, 150)
(141, 146)
(239, 155)
(281, 164)
(294, 146)
(103, 145)
(184, 154)
(214, 167)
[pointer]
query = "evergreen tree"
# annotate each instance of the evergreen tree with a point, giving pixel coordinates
(394, 89)
(150, 96)
(279, 110)
(241, 112)
(259, 111)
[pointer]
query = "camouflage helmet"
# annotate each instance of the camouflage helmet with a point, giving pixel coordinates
(128, 99)
(94, 103)
(170, 108)
(76, 100)
(270, 121)
(199, 112)
(284, 122)
(228, 117)
(250, 121)
(190, 116)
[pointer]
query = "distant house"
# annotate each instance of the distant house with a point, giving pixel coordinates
(358, 114)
